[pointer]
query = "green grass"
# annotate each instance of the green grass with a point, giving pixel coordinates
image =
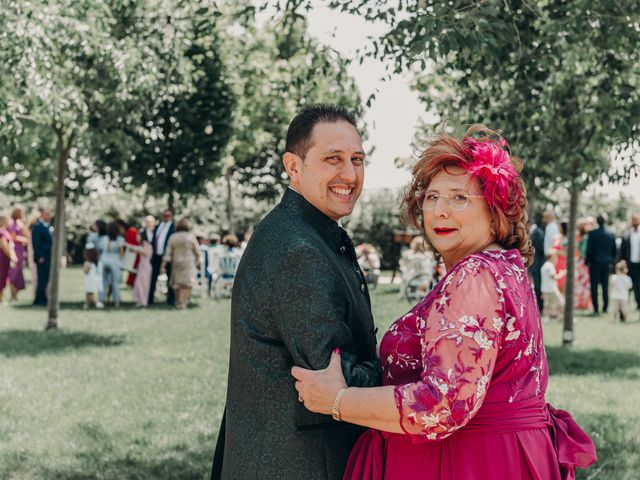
(138, 394)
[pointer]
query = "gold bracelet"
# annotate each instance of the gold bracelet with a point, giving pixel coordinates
(335, 411)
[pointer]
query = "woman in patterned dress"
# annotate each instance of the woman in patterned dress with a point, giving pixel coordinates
(465, 371)
(20, 233)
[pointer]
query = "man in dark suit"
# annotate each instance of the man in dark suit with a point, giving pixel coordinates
(161, 236)
(536, 234)
(601, 252)
(298, 294)
(42, 240)
(630, 253)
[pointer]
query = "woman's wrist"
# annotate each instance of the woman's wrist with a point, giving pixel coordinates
(335, 408)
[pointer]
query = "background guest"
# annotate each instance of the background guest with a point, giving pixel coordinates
(630, 253)
(161, 236)
(601, 252)
(536, 234)
(551, 230)
(112, 247)
(92, 269)
(620, 285)
(143, 278)
(7, 255)
(131, 237)
(42, 241)
(183, 255)
(21, 235)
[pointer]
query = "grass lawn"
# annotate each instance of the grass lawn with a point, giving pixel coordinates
(138, 394)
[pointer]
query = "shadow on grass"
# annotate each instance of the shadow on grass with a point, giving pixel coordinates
(566, 361)
(14, 343)
(79, 305)
(617, 446)
(100, 461)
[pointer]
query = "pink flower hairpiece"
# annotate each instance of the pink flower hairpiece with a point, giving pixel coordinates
(491, 163)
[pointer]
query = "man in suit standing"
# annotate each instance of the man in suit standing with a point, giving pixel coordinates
(299, 294)
(161, 236)
(630, 253)
(42, 240)
(536, 234)
(601, 253)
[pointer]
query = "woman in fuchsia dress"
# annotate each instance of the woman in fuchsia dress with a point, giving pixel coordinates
(465, 371)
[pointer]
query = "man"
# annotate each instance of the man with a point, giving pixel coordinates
(161, 236)
(299, 294)
(537, 239)
(551, 230)
(601, 252)
(630, 253)
(42, 241)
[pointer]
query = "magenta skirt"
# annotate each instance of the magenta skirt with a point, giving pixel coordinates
(522, 440)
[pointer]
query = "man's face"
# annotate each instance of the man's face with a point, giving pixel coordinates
(167, 216)
(635, 220)
(46, 215)
(332, 173)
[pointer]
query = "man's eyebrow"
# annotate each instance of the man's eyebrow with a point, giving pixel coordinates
(357, 152)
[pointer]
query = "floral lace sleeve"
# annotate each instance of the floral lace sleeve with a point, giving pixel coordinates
(461, 334)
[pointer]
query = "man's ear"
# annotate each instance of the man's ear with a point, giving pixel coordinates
(292, 164)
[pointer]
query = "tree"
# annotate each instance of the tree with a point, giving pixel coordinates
(276, 69)
(178, 143)
(561, 78)
(62, 62)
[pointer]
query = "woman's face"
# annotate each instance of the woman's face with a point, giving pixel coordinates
(456, 234)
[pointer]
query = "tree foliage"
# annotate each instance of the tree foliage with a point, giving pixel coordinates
(276, 68)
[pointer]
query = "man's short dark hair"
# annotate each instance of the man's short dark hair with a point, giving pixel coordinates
(601, 218)
(300, 128)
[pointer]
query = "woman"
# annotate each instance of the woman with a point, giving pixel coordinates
(8, 256)
(142, 283)
(183, 254)
(465, 371)
(20, 234)
(111, 250)
(561, 246)
(582, 299)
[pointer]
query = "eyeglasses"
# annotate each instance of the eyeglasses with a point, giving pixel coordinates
(455, 201)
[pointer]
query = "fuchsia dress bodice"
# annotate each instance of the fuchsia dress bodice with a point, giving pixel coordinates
(470, 375)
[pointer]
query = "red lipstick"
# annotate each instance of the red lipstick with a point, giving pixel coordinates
(443, 230)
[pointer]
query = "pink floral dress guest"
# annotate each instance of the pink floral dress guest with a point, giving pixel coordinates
(470, 371)
(16, 276)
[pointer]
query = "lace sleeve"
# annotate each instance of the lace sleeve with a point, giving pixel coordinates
(460, 339)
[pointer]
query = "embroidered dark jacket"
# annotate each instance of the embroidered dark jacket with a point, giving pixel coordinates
(298, 294)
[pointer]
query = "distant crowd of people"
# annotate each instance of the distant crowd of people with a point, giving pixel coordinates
(598, 254)
(164, 254)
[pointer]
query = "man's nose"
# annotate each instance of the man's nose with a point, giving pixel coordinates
(348, 171)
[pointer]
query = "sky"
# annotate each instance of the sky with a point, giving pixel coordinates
(392, 118)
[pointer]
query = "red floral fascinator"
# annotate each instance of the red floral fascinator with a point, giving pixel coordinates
(491, 164)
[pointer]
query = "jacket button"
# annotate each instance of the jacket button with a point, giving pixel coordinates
(362, 287)
(342, 250)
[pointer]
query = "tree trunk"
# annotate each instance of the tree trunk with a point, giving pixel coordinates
(569, 293)
(531, 198)
(230, 219)
(59, 230)
(171, 201)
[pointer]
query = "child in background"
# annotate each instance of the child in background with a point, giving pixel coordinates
(551, 295)
(92, 277)
(621, 284)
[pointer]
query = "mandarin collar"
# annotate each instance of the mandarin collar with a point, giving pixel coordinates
(326, 227)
